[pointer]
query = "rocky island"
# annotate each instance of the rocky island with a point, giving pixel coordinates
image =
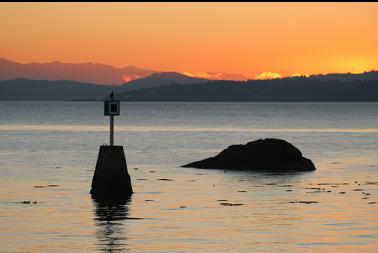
(261, 155)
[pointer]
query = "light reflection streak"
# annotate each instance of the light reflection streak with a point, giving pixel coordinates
(109, 218)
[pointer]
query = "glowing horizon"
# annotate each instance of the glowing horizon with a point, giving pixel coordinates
(197, 39)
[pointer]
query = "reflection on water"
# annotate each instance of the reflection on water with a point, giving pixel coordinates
(109, 218)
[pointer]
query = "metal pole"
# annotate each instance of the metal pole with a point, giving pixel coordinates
(111, 130)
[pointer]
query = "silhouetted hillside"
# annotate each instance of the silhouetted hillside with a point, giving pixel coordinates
(348, 77)
(159, 79)
(24, 89)
(298, 89)
(288, 89)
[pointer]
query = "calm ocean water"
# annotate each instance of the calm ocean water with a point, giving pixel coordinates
(48, 151)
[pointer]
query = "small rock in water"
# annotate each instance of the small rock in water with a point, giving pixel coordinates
(357, 190)
(148, 200)
(365, 198)
(152, 171)
(315, 192)
(289, 190)
(242, 191)
(304, 202)
(308, 202)
(222, 200)
(230, 204)
(182, 206)
(141, 179)
(372, 202)
(341, 192)
(371, 183)
(29, 202)
(39, 186)
(52, 185)
(164, 179)
(136, 169)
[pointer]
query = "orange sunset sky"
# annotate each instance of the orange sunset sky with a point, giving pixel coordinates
(242, 38)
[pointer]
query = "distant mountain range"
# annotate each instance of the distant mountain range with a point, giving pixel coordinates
(89, 81)
(159, 79)
(173, 86)
(83, 72)
(90, 72)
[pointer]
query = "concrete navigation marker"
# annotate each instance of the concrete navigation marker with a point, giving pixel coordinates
(111, 180)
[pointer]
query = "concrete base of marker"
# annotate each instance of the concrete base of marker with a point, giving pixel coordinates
(111, 179)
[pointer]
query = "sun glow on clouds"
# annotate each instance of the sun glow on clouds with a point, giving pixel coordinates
(272, 75)
(215, 75)
(268, 76)
(299, 75)
(130, 77)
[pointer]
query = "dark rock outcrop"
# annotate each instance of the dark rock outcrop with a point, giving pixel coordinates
(260, 155)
